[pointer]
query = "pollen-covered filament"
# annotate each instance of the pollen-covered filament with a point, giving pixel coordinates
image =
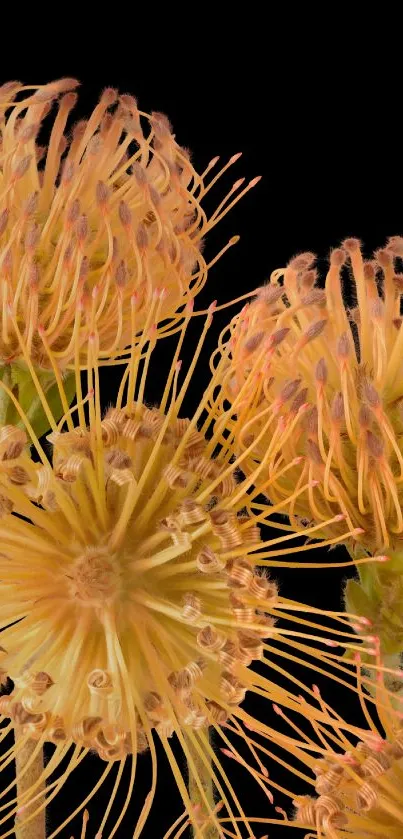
(326, 383)
(135, 621)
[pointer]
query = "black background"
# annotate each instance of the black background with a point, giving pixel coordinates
(318, 116)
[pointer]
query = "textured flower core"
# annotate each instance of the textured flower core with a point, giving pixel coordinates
(327, 383)
(93, 224)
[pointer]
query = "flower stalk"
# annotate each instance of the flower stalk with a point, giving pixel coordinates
(29, 769)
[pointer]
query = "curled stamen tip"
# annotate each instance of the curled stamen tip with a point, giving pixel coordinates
(237, 184)
(234, 157)
(234, 240)
(315, 690)
(41, 329)
(255, 181)
(265, 772)
(212, 307)
(330, 643)
(314, 483)
(298, 459)
(178, 365)
(190, 305)
(340, 517)
(365, 621)
(227, 753)
(382, 558)
(358, 531)
(357, 658)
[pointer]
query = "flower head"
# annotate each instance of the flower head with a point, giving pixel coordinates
(131, 601)
(355, 770)
(106, 214)
(357, 773)
(325, 381)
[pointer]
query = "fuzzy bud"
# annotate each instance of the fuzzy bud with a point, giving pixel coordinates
(302, 262)
(315, 329)
(375, 445)
(321, 372)
(337, 408)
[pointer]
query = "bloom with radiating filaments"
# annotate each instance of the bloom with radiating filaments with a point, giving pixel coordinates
(358, 774)
(131, 604)
(325, 376)
(106, 213)
(355, 771)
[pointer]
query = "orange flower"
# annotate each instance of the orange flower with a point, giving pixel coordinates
(100, 231)
(358, 773)
(325, 382)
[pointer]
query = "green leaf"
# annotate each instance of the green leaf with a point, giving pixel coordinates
(18, 378)
(38, 418)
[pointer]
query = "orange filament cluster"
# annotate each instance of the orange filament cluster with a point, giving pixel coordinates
(359, 791)
(356, 773)
(324, 379)
(94, 224)
(358, 785)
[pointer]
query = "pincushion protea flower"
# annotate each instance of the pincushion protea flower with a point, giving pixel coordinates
(327, 382)
(130, 600)
(355, 772)
(358, 773)
(91, 224)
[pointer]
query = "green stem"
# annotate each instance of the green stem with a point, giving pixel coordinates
(36, 828)
(204, 777)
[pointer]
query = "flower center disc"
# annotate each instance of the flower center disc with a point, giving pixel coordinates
(95, 577)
